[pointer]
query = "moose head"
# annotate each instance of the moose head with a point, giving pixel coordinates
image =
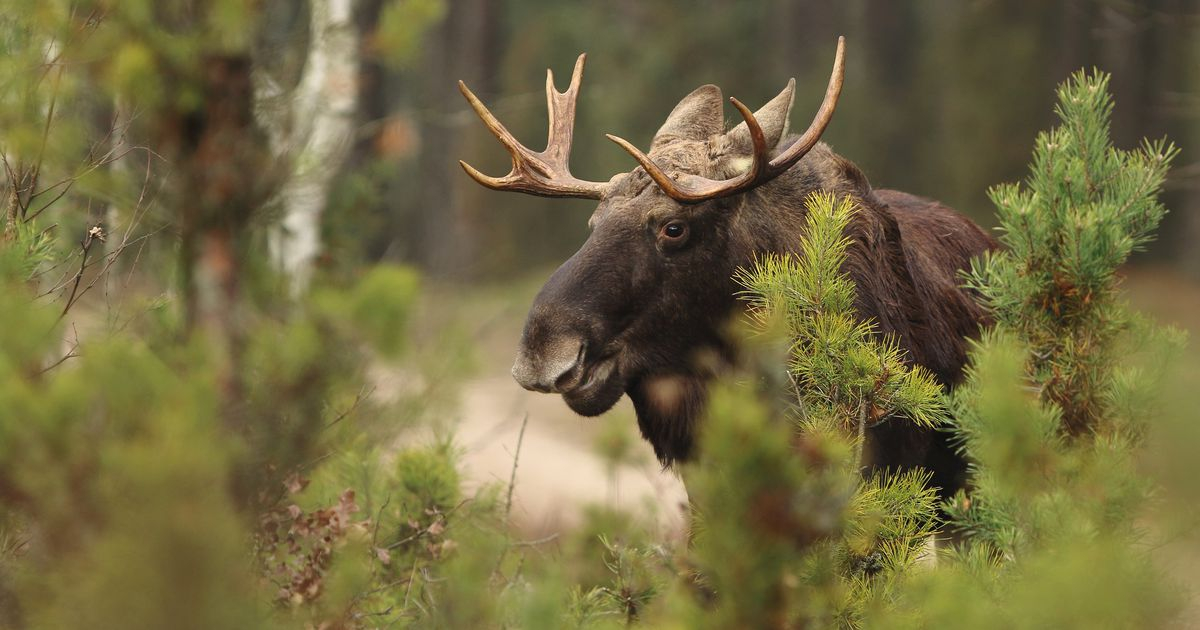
(640, 308)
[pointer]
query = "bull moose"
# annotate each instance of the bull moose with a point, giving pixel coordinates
(652, 287)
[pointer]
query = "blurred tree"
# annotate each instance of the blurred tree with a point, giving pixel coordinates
(322, 112)
(447, 230)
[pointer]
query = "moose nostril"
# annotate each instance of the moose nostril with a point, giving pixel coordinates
(571, 375)
(550, 368)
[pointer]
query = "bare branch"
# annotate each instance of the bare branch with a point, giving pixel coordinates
(512, 478)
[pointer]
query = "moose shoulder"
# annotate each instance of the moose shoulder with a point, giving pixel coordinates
(641, 307)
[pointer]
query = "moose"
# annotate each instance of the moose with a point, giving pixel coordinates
(641, 309)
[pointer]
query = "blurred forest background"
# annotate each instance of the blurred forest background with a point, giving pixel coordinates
(251, 308)
(943, 99)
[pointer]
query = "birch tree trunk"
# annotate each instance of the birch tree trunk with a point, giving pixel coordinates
(322, 112)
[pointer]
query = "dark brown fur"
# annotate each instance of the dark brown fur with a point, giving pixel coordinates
(633, 313)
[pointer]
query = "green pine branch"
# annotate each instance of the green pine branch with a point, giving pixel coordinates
(1085, 207)
(840, 364)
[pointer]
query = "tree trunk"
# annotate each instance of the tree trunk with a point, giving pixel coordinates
(323, 109)
(448, 225)
(223, 162)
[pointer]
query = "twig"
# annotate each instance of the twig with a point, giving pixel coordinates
(378, 515)
(799, 396)
(512, 483)
(20, 209)
(411, 578)
(375, 533)
(380, 589)
(387, 611)
(88, 238)
(309, 465)
(425, 530)
(136, 259)
(862, 433)
(362, 395)
(512, 477)
(71, 354)
(108, 158)
(535, 542)
(37, 165)
(109, 261)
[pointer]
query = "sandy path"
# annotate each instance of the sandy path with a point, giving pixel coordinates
(558, 473)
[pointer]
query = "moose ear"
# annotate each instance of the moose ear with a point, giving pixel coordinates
(697, 117)
(773, 118)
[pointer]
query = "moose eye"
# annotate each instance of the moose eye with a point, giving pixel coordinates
(674, 231)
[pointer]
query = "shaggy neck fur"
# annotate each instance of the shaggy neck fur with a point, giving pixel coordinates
(904, 257)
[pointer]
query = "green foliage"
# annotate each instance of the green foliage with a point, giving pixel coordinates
(839, 366)
(846, 377)
(115, 479)
(384, 287)
(1084, 208)
(156, 475)
(1052, 529)
(636, 580)
(28, 248)
(117, 476)
(1062, 328)
(1059, 399)
(428, 479)
(755, 513)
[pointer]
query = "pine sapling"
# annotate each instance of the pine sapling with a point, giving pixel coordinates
(1085, 207)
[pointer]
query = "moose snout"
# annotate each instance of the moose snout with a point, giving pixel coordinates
(547, 369)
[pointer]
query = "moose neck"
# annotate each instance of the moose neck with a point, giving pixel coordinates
(875, 259)
(771, 221)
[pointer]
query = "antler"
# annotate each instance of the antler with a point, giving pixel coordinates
(695, 189)
(542, 173)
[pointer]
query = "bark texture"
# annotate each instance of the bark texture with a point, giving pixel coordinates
(323, 107)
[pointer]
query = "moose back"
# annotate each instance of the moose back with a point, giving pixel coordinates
(651, 289)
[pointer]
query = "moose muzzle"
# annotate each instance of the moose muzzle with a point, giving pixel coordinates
(549, 367)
